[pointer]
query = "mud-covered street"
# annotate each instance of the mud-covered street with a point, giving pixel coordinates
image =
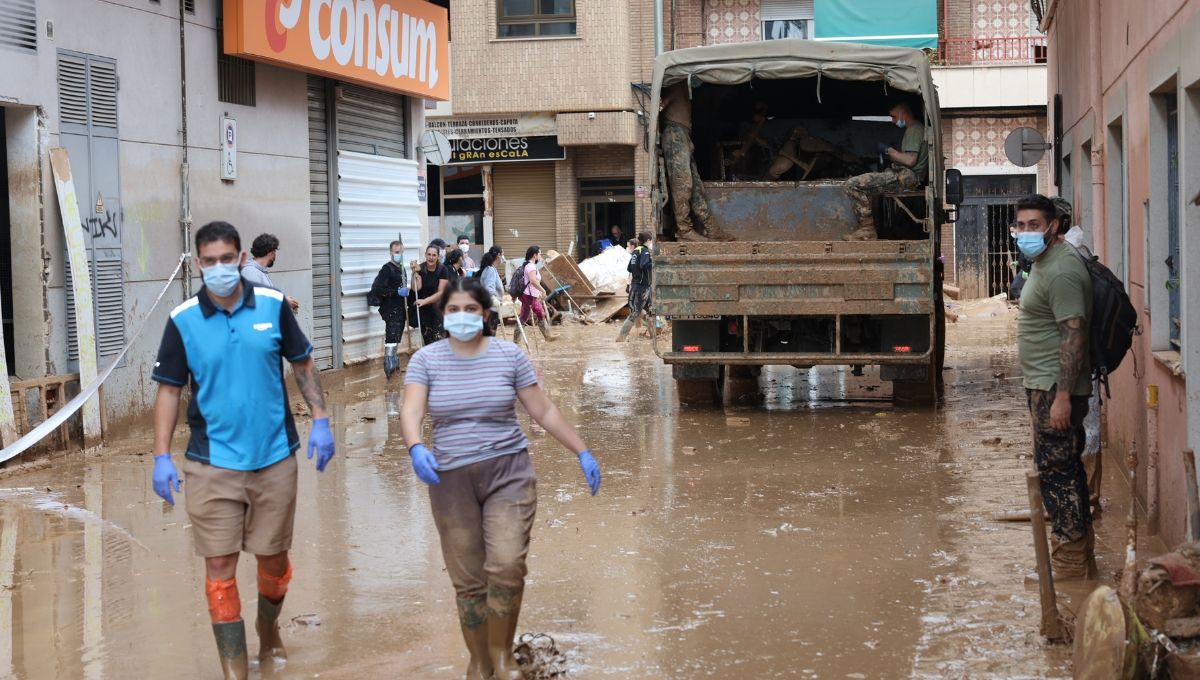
(829, 535)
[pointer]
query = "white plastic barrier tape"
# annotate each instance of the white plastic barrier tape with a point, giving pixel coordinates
(50, 424)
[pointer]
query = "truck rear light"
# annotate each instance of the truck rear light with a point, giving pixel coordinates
(733, 328)
(902, 349)
(691, 348)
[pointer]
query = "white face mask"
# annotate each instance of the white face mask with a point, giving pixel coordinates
(464, 248)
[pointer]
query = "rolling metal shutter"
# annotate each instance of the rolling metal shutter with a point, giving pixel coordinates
(377, 203)
(786, 9)
(523, 207)
(318, 203)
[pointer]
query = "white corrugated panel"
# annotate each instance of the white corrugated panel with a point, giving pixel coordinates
(786, 9)
(377, 203)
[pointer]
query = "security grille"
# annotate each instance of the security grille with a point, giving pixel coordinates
(18, 24)
(235, 80)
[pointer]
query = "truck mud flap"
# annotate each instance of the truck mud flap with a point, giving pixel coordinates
(696, 371)
(904, 372)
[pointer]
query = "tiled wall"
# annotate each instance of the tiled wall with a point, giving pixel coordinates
(732, 21)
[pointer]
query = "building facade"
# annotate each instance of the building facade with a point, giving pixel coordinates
(1128, 152)
(590, 169)
(165, 133)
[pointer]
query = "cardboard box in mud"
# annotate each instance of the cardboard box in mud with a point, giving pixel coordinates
(788, 290)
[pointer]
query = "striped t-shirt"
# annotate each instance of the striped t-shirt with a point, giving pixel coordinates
(471, 400)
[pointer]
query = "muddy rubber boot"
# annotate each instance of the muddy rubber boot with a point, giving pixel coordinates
(231, 647)
(270, 643)
(714, 233)
(863, 234)
(390, 362)
(546, 331)
(625, 328)
(691, 235)
(501, 630)
(480, 665)
(1074, 560)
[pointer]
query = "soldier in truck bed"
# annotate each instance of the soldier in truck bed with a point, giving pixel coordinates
(687, 190)
(788, 143)
(909, 167)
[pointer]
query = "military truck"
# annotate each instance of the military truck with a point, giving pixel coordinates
(788, 290)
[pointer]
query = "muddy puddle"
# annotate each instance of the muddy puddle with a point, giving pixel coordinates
(822, 533)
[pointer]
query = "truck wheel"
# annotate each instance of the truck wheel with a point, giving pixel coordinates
(697, 392)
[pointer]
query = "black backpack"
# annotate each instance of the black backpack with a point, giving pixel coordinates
(516, 282)
(1114, 320)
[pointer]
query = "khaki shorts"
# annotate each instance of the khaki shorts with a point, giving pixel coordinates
(233, 510)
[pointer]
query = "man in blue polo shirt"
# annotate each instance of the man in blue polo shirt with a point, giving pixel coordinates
(229, 342)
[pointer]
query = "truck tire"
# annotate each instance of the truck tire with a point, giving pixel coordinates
(701, 392)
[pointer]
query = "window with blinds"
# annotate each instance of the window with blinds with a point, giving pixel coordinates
(787, 19)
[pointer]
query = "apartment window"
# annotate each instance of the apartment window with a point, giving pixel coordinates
(787, 19)
(1163, 261)
(1116, 225)
(535, 18)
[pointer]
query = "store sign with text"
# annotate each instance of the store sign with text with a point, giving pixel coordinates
(396, 45)
(516, 125)
(505, 150)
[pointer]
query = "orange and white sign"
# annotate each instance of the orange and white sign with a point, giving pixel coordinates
(398, 45)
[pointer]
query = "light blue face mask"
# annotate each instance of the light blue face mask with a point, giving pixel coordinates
(463, 326)
(398, 258)
(221, 279)
(1031, 243)
(901, 124)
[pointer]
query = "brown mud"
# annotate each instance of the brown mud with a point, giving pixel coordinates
(821, 533)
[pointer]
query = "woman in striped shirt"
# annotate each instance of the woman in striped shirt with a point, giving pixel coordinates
(482, 489)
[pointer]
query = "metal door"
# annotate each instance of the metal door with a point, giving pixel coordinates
(984, 253)
(523, 207)
(87, 94)
(319, 179)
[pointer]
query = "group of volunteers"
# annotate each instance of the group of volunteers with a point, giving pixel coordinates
(227, 345)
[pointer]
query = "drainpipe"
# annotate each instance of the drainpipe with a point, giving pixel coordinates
(185, 202)
(1152, 458)
(658, 27)
(1099, 131)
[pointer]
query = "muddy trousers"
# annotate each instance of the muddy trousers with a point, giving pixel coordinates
(863, 188)
(484, 513)
(639, 304)
(687, 189)
(1057, 454)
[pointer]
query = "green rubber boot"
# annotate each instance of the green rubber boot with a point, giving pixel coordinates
(231, 647)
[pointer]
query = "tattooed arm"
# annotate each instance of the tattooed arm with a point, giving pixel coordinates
(309, 383)
(1072, 351)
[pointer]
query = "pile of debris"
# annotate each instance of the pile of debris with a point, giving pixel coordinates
(594, 289)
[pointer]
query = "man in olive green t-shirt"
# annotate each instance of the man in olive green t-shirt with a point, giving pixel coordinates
(910, 167)
(1052, 341)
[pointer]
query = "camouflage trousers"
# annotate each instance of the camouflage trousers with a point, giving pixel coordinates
(687, 189)
(1058, 456)
(862, 188)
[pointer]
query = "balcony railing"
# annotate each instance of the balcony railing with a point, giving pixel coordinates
(992, 51)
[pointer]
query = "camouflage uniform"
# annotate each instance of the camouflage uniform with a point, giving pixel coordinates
(687, 189)
(1057, 454)
(862, 188)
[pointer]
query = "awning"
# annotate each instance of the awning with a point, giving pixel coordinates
(907, 23)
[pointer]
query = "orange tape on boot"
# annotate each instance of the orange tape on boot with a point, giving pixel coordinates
(224, 605)
(274, 587)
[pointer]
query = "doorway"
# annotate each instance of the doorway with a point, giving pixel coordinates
(6, 278)
(984, 255)
(604, 203)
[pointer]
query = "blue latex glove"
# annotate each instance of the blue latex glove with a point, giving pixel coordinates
(424, 464)
(164, 476)
(402, 291)
(320, 439)
(591, 470)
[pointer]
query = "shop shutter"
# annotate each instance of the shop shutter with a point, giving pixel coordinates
(87, 93)
(786, 9)
(371, 122)
(523, 213)
(318, 205)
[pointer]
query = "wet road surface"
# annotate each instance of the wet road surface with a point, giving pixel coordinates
(832, 535)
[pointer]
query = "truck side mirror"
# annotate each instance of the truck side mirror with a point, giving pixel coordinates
(954, 187)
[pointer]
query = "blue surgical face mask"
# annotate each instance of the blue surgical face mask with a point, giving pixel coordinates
(221, 279)
(398, 258)
(901, 124)
(463, 326)
(1031, 243)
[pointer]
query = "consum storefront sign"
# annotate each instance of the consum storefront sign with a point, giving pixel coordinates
(396, 45)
